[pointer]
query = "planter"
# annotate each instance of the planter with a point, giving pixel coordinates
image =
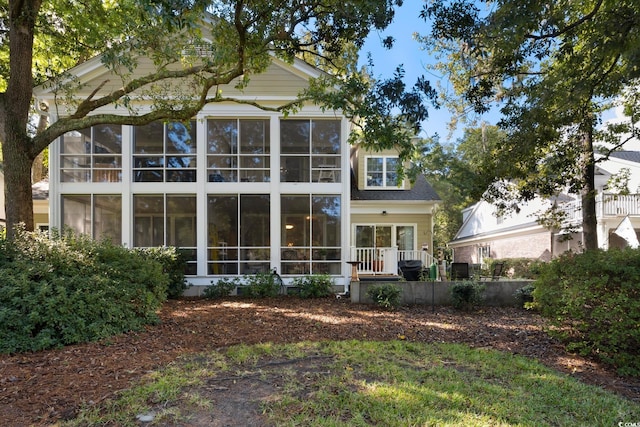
(378, 266)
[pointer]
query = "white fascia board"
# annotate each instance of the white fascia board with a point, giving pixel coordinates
(88, 70)
(625, 162)
(497, 235)
(299, 67)
(473, 209)
(393, 207)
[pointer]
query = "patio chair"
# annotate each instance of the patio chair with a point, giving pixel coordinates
(459, 270)
(496, 273)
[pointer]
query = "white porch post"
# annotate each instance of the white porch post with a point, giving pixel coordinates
(390, 256)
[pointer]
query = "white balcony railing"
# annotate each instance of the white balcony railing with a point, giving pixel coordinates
(607, 205)
(621, 205)
(385, 260)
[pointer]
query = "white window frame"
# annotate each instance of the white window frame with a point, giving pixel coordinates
(483, 253)
(384, 185)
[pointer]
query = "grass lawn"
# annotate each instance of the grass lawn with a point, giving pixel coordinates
(362, 383)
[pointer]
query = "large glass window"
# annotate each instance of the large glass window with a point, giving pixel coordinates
(239, 228)
(382, 172)
(405, 239)
(164, 152)
(310, 150)
(238, 150)
(97, 215)
(92, 155)
(310, 234)
(167, 220)
(372, 241)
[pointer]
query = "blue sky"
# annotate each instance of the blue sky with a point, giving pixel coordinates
(407, 51)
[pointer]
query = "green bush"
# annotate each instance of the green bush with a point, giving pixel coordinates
(595, 298)
(524, 295)
(221, 288)
(314, 286)
(70, 289)
(174, 263)
(261, 285)
(466, 295)
(386, 295)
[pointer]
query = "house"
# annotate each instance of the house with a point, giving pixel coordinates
(486, 234)
(239, 189)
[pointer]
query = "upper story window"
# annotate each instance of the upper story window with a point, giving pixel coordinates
(310, 150)
(164, 152)
(238, 150)
(382, 172)
(92, 155)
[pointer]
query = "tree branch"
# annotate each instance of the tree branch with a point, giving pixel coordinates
(569, 27)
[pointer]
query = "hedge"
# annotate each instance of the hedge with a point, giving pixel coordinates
(69, 289)
(594, 299)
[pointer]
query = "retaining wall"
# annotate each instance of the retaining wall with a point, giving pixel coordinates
(496, 293)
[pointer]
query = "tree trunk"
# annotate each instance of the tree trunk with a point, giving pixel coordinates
(17, 147)
(588, 194)
(17, 183)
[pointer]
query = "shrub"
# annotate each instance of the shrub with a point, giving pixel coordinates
(314, 286)
(524, 295)
(466, 295)
(262, 285)
(221, 288)
(173, 263)
(71, 289)
(386, 295)
(595, 297)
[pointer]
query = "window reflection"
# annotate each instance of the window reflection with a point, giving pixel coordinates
(92, 155)
(310, 150)
(238, 150)
(382, 171)
(165, 152)
(104, 212)
(310, 234)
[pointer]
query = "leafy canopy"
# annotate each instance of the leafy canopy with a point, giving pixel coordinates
(174, 56)
(553, 68)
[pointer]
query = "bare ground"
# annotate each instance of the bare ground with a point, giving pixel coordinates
(44, 387)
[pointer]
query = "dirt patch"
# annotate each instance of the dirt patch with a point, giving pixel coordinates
(41, 388)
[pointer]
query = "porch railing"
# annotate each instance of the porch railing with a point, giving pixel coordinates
(607, 205)
(619, 205)
(385, 260)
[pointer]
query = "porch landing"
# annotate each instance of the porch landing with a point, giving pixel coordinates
(379, 277)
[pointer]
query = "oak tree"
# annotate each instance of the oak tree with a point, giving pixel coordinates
(202, 44)
(553, 68)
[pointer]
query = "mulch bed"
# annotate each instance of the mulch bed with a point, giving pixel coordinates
(41, 388)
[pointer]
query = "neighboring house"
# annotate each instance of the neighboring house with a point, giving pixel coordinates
(40, 192)
(484, 234)
(239, 189)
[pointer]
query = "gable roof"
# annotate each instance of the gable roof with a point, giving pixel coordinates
(421, 191)
(630, 156)
(282, 80)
